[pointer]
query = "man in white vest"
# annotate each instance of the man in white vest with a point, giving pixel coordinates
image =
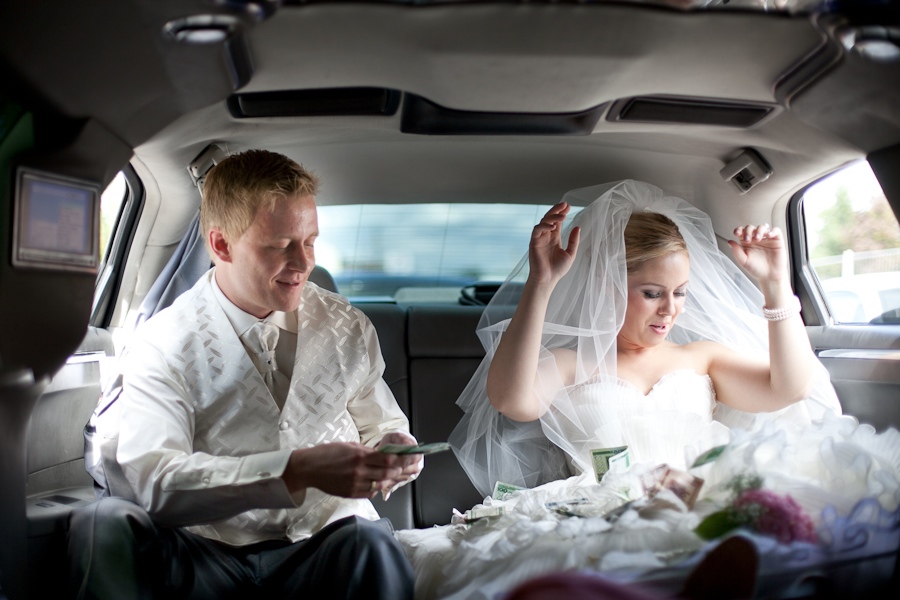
(252, 412)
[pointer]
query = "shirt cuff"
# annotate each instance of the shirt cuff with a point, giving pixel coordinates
(268, 468)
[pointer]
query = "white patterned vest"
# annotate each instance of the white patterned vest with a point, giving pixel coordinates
(235, 415)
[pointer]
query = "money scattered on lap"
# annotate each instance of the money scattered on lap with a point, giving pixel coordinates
(502, 491)
(474, 514)
(605, 459)
(684, 485)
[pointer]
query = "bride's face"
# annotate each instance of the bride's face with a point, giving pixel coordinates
(656, 294)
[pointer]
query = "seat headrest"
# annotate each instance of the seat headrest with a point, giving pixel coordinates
(322, 278)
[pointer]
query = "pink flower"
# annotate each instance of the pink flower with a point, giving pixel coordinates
(772, 514)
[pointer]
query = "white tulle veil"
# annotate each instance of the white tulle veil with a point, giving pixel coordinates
(585, 313)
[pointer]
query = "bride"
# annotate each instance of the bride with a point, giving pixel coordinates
(640, 333)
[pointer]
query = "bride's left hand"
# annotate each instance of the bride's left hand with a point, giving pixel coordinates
(760, 250)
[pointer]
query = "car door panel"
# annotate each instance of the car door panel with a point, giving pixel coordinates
(866, 379)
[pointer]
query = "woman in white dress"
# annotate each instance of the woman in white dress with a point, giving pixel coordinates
(640, 333)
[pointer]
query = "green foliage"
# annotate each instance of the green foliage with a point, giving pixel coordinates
(844, 228)
(743, 482)
(833, 235)
(717, 524)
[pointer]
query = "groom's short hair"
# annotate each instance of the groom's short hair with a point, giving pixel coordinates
(239, 186)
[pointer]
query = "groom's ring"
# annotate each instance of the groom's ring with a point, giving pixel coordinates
(374, 485)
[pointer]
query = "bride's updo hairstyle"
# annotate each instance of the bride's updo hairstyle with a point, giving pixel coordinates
(650, 235)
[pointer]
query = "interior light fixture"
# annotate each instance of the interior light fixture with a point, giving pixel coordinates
(877, 43)
(202, 29)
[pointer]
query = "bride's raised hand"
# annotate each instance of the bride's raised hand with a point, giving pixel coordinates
(761, 251)
(548, 260)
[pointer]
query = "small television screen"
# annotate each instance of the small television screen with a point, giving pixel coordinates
(57, 222)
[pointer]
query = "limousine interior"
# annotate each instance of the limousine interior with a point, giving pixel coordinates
(441, 130)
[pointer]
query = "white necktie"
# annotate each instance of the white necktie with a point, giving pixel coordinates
(263, 336)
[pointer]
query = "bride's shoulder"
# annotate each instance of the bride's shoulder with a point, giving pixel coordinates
(703, 350)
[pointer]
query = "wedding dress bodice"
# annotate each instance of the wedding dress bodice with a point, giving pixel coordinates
(604, 399)
(672, 423)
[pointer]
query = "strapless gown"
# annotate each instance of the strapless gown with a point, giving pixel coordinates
(673, 423)
(845, 476)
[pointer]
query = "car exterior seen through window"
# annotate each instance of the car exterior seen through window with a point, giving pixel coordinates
(854, 246)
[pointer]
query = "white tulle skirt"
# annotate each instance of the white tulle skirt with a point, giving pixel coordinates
(844, 475)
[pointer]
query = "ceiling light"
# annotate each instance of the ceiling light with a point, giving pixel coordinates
(202, 29)
(873, 42)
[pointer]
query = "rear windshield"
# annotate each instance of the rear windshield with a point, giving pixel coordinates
(422, 252)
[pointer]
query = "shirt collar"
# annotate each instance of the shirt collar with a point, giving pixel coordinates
(241, 321)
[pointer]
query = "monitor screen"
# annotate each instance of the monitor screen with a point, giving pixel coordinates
(57, 222)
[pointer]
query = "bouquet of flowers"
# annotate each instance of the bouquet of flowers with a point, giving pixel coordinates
(761, 510)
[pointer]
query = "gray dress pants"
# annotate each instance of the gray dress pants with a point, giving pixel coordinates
(117, 552)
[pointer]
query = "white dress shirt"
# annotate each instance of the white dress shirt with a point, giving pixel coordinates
(242, 321)
(204, 444)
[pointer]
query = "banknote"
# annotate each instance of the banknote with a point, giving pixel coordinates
(574, 507)
(684, 485)
(414, 448)
(569, 502)
(604, 459)
(474, 514)
(502, 491)
(613, 515)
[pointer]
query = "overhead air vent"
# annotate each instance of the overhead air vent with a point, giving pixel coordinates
(689, 111)
(424, 117)
(329, 102)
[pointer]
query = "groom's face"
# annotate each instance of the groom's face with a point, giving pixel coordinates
(265, 269)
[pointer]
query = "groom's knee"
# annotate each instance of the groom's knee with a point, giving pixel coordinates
(109, 521)
(107, 541)
(373, 556)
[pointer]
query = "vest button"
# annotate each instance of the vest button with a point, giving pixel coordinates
(284, 425)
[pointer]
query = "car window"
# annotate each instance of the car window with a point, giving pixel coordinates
(120, 208)
(110, 206)
(853, 241)
(421, 252)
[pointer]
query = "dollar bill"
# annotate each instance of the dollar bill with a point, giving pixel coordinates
(570, 508)
(570, 502)
(623, 458)
(684, 485)
(604, 459)
(414, 448)
(502, 491)
(613, 515)
(474, 514)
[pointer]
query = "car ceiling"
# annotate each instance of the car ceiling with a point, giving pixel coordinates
(112, 63)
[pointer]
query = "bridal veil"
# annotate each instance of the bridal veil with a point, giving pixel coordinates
(584, 314)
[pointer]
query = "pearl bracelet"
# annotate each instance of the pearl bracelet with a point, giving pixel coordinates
(780, 314)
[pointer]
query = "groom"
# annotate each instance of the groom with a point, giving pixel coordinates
(252, 410)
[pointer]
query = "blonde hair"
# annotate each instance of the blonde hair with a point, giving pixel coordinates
(236, 188)
(650, 235)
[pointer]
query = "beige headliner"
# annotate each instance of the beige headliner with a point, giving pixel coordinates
(515, 58)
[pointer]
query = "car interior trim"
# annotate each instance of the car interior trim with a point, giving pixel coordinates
(424, 117)
(321, 102)
(692, 111)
